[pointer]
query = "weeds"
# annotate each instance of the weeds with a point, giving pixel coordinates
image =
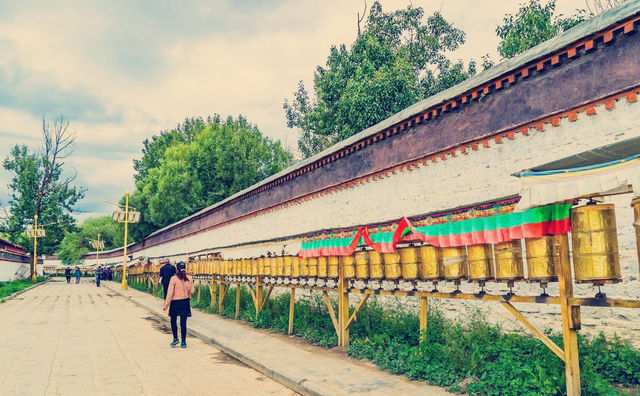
(10, 287)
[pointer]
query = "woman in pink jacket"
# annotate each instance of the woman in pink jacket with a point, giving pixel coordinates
(178, 295)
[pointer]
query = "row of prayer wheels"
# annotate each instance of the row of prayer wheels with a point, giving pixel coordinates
(594, 246)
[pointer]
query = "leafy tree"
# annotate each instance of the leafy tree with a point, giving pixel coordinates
(198, 165)
(533, 24)
(38, 187)
(78, 242)
(398, 60)
(72, 248)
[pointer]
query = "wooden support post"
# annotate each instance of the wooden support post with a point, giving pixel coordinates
(545, 340)
(223, 292)
(258, 299)
(332, 313)
(353, 316)
(292, 304)
(343, 307)
(266, 297)
(237, 301)
(570, 322)
(199, 291)
(213, 286)
(424, 311)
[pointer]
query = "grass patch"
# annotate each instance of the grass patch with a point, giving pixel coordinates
(10, 287)
(468, 354)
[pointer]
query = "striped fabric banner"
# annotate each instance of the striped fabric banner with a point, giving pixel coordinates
(531, 223)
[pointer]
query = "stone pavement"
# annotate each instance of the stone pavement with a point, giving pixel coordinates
(68, 339)
(302, 367)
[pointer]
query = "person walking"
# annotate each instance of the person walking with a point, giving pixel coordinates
(98, 275)
(178, 298)
(67, 274)
(166, 273)
(78, 274)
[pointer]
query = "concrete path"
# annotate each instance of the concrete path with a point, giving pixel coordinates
(68, 339)
(302, 367)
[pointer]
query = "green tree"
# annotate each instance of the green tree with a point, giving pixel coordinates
(398, 60)
(533, 24)
(78, 242)
(39, 187)
(72, 248)
(214, 160)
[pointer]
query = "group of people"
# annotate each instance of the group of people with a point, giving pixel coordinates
(103, 274)
(77, 273)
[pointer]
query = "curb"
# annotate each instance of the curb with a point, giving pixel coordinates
(16, 294)
(278, 377)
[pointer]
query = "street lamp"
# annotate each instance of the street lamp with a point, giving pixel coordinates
(127, 216)
(35, 232)
(98, 245)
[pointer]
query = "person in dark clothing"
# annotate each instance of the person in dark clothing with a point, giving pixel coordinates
(166, 272)
(109, 274)
(67, 273)
(98, 275)
(78, 274)
(180, 291)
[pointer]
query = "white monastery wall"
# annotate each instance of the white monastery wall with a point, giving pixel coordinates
(480, 175)
(465, 179)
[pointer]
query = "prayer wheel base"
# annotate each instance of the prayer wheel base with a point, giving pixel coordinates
(599, 282)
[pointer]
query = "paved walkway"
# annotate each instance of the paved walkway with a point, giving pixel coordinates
(305, 368)
(61, 339)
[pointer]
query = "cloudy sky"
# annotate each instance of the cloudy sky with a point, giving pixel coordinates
(123, 70)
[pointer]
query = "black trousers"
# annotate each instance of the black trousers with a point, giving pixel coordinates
(165, 287)
(183, 326)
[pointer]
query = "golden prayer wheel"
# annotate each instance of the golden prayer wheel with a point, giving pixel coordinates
(376, 268)
(255, 267)
(409, 256)
(392, 265)
(595, 244)
(635, 203)
(243, 267)
(454, 261)
(313, 267)
(280, 266)
(542, 257)
(304, 265)
(431, 267)
(287, 265)
(480, 259)
(509, 261)
(266, 265)
(332, 266)
(362, 264)
(236, 266)
(323, 265)
(261, 266)
(348, 266)
(295, 266)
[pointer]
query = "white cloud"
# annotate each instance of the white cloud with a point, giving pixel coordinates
(123, 71)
